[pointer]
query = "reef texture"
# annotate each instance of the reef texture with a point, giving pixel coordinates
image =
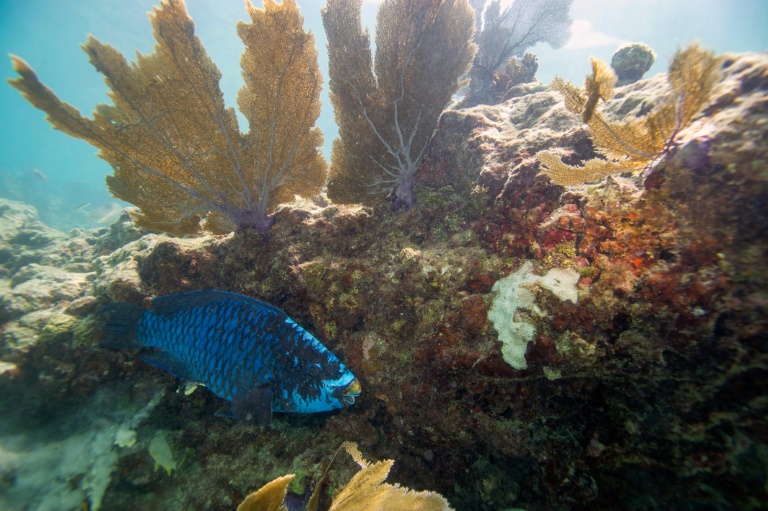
(646, 391)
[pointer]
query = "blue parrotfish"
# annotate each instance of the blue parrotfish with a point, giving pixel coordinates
(242, 349)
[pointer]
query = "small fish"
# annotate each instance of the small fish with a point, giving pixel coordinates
(244, 350)
(106, 214)
(39, 174)
(161, 453)
(81, 206)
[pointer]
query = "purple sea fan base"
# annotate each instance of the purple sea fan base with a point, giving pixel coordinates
(250, 219)
(403, 191)
(695, 153)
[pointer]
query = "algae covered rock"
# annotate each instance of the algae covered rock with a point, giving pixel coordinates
(631, 61)
(24, 239)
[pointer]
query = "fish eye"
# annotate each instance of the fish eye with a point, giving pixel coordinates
(314, 370)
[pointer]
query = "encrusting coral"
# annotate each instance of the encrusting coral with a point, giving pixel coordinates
(176, 150)
(637, 144)
(386, 121)
(366, 491)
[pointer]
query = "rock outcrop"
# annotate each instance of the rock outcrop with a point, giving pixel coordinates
(646, 391)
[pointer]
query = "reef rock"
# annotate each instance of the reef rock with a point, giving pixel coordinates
(24, 239)
(641, 385)
(631, 61)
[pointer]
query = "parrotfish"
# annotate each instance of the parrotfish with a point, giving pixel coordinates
(242, 349)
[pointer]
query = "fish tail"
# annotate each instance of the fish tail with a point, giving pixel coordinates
(119, 326)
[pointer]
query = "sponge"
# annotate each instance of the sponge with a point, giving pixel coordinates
(514, 294)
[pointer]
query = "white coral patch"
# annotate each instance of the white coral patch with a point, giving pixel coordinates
(515, 301)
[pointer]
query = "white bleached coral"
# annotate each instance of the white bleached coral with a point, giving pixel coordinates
(514, 294)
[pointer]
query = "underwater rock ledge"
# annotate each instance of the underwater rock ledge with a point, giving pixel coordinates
(647, 391)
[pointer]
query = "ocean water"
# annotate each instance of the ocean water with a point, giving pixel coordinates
(77, 420)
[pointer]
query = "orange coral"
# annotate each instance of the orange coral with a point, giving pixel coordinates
(176, 150)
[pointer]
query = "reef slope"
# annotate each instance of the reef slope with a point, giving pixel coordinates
(647, 390)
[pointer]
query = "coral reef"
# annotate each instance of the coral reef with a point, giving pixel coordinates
(631, 61)
(517, 71)
(520, 70)
(176, 150)
(646, 391)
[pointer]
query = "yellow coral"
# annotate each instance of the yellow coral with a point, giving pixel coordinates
(599, 86)
(176, 149)
(269, 497)
(634, 145)
(366, 491)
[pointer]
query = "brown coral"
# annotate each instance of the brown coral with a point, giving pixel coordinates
(636, 144)
(386, 121)
(176, 150)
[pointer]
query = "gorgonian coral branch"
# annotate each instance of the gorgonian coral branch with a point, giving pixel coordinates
(176, 149)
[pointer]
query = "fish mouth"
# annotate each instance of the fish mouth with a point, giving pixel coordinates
(352, 391)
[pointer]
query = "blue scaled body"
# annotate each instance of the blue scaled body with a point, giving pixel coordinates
(244, 350)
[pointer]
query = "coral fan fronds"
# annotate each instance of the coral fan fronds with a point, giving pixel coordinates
(636, 144)
(387, 119)
(176, 150)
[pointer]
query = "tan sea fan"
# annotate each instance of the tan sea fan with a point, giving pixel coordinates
(387, 105)
(366, 491)
(638, 143)
(269, 497)
(176, 150)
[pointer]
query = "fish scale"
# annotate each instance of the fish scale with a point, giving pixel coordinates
(245, 351)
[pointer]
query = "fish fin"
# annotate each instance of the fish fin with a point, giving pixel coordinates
(226, 414)
(254, 406)
(119, 326)
(174, 303)
(170, 363)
